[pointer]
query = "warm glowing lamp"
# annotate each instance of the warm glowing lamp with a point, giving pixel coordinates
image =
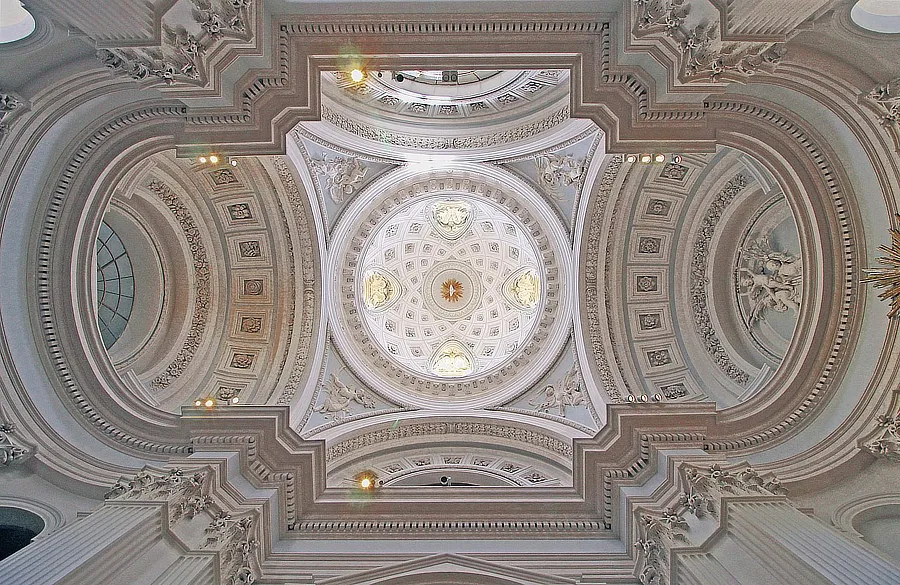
(365, 483)
(202, 159)
(660, 158)
(209, 403)
(213, 159)
(357, 75)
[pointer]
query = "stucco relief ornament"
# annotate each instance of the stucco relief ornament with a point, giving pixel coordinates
(772, 280)
(10, 452)
(339, 397)
(343, 176)
(888, 276)
(887, 97)
(887, 443)
(523, 289)
(380, 290)
(451, 219)
(556, 171)
(567, 392)
(452, 360)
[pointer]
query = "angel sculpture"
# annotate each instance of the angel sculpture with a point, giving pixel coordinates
(566, 393)
(771, 280)
(338, 398)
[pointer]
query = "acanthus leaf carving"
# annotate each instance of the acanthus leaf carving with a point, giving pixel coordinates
(660, 532)
(187, 495)
(704, 54)
(178, 58)
(237, 541)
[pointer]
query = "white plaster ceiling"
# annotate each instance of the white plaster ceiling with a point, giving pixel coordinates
(412, 330)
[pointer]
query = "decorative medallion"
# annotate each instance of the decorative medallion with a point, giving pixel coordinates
(380, 290)
(452, 360)
(452, 290)
(451, 219)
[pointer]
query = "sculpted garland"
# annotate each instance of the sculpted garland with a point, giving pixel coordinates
(201, 287)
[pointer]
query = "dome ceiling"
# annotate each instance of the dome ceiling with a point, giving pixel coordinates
(448, 277)
(462, 267)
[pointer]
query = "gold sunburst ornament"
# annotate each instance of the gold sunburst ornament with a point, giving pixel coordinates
(888, 277)
(452, 290)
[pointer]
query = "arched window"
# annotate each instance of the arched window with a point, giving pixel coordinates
(17, 529)
(115, 286)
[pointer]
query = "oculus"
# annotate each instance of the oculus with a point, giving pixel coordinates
(451, 219)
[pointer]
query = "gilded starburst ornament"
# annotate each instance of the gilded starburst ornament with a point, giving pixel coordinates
(452, 290)
(888, 277)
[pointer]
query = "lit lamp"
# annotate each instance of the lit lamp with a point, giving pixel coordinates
(357, 75)
(366, 481)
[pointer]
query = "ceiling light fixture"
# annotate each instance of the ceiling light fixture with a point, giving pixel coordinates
(357, 75)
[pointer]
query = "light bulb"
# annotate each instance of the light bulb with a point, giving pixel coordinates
(631, 158)
(233, 163)
(356, 75)
(198, 403)
(660, 158)
(202, 159)
(235, 400)
(365, 483)
(645, 158)
(209, 402)
(213, 159)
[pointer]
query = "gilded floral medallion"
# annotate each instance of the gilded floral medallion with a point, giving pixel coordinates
(452, 290)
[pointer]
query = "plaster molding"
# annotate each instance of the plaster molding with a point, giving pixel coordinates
(699, 281)
(177, 58)
(201, 300)
(302, 226)
(599, 201)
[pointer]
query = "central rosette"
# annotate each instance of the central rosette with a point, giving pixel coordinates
(452, 290)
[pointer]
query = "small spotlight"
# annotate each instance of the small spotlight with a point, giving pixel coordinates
(233, 163)
(676, 158)
(366, 480)
(213, 159)
(357, 75)
(657, 397)
(660, 158)
(198, 403)
(631, 158)
(644, 398)
(209, 403)
(645, 158)
(235, 400)
(202, 159)
(631, 398)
